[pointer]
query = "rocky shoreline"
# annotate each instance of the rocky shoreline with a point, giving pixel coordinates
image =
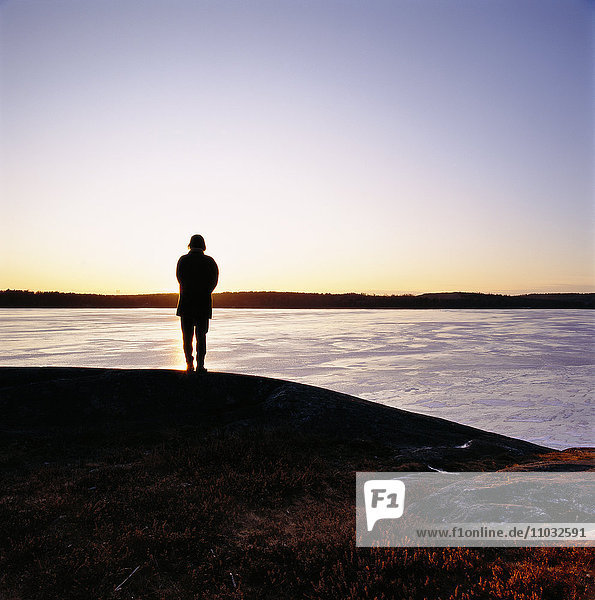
(41, 400)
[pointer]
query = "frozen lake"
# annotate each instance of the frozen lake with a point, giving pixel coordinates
(523, 373)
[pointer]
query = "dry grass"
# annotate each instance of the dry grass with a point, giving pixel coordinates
(230, 515)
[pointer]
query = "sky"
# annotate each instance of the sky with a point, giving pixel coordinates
(398, 146)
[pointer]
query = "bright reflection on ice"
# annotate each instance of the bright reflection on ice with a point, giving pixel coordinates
(523, 373)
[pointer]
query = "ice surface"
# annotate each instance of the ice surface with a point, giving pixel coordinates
(523, 373)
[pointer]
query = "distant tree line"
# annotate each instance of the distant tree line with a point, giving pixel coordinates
(27, 299)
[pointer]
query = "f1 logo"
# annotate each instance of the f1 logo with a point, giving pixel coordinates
(384, 499)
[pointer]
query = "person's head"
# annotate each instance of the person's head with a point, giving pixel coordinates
(197, 241)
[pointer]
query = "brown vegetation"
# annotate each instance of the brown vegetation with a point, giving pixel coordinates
(196, 513)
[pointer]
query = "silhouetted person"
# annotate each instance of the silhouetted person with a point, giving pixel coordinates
(197, 274)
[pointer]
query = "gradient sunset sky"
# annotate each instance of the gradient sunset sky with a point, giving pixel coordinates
(370, 146)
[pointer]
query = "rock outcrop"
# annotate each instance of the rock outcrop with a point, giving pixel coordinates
(47, 398)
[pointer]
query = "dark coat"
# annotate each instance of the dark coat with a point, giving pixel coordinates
(197, 274)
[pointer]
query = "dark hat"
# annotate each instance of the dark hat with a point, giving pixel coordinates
(197, 241)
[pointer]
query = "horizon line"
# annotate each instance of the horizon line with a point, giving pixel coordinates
(389, 294)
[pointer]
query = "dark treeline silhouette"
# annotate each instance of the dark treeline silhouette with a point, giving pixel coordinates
(27, 299)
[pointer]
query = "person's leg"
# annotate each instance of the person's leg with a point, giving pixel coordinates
(187, 335)
(201, 352)
(201, 343)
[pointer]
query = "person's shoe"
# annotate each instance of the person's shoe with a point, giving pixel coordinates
(201, 369)
(189, 368)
